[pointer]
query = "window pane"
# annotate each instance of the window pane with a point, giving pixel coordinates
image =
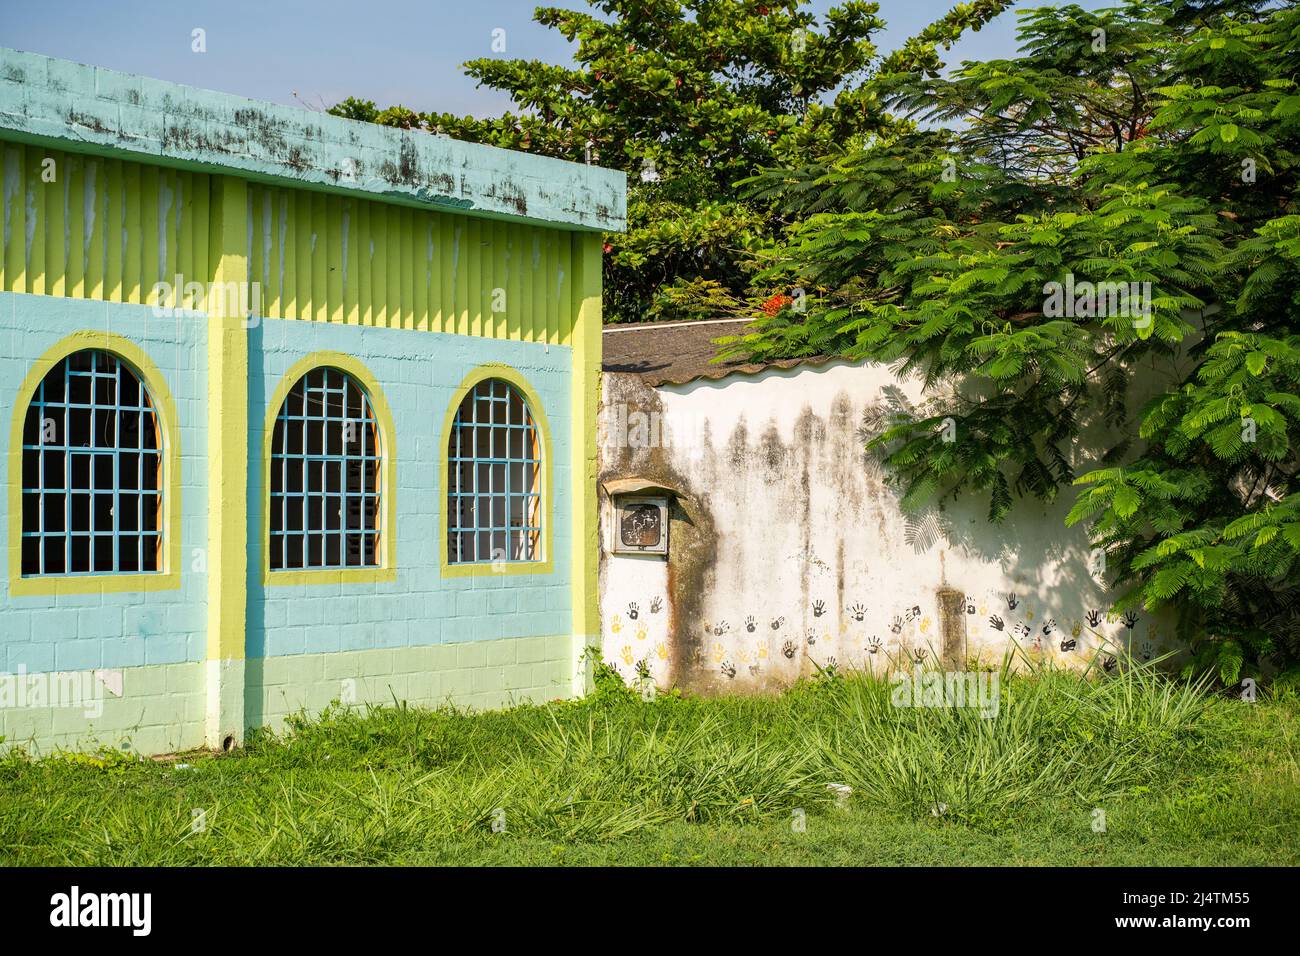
(89, 512)
(324, 475)
(492, 451)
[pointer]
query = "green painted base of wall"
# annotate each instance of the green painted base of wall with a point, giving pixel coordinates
(479, 674)
(161, 710)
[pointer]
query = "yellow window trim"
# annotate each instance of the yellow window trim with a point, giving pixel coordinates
(387, 570)
(513, 376)
(164, 408)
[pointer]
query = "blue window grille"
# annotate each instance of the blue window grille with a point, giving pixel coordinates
(325, 476)
(494, 478)
(92, 471)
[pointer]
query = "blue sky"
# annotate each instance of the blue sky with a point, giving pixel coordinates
(389, 51)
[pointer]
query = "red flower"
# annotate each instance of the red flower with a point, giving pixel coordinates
(608, 248)
(776, 302)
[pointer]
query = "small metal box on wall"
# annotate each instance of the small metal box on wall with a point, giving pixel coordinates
(638, 516)
(640, 525)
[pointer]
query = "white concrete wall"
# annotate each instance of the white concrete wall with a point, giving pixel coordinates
(814, 562)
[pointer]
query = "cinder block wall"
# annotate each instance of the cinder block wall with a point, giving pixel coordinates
(149, 644)
(423, 637)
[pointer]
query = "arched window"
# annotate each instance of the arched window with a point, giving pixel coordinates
(326, 457)
(92, 471)
(494, 494)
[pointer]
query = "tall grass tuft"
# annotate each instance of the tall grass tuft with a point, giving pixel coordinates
(1057, 736)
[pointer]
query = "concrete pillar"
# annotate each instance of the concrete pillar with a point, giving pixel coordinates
(227, 557)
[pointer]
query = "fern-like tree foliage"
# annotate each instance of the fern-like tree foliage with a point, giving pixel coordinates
(688, 97)
(1154, 142)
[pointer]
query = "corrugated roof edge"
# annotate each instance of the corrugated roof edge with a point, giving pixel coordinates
(65, 105)
(688, 349)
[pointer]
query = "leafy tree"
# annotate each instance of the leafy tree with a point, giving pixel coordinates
(1150, 143)
(687, 97)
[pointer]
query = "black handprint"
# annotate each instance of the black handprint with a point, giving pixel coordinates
(776, 623)
(1129, 619)
(788, 649)
(750, 624)
(729, 669)
(1068, 644)
(997, 623)
(819, 608)
(1093, 618)
(633, 610)
(656, 605)
(857, 611)
(1013, 602)
(896, 625)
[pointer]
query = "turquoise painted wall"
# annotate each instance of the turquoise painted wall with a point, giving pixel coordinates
(130, 628)
(418, 374)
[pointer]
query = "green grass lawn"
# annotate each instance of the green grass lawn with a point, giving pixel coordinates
(1183, 777)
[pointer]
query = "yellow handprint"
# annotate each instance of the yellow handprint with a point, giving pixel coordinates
(642, 632)
(661, 651)
(616, 624)
(627, 655)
